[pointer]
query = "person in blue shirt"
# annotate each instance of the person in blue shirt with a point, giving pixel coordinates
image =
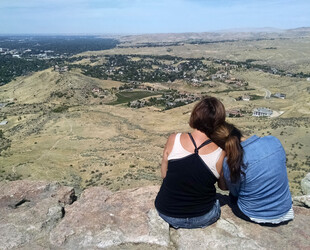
(255, 174)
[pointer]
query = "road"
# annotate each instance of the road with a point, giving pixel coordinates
(267, 93)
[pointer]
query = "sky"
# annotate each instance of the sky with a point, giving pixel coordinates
(148, 16)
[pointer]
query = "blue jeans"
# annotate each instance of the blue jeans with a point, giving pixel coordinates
(194, 222)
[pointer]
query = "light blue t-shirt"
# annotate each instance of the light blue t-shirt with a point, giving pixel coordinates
(263, 192)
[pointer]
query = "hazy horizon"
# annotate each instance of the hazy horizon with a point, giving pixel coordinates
(118, 17)
(232, 30)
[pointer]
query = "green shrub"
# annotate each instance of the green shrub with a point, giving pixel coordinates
(60, 109)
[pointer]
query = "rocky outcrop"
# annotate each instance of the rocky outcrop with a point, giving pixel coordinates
(230, 232)
(30, 210)
(305, 185)
(100, 219)
(304, 200)
(40, 215)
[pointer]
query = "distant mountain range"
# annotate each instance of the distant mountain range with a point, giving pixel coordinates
(222, 35)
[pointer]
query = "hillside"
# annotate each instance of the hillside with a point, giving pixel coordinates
(76, 127)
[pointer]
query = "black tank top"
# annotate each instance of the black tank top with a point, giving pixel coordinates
(188, 189)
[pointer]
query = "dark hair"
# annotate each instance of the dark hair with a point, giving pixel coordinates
(228, 137)
(207, 115)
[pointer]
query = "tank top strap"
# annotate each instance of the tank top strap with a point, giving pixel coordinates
(193, 141)
(202, 145)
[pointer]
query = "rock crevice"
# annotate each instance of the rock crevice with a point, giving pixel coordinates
(41, 215)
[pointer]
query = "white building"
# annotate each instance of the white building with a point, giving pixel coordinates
(280, 95)
(3, 123)
(246, 98)
(262, 112)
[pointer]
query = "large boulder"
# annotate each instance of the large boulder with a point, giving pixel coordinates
(302, 201)
(305, 184)
(40, 215)
(101, 219)
(230, 232)
(29, 210)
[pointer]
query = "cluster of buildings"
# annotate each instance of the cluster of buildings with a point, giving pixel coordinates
(196, 82)
(131, 85)
(194, 72)
(235, 82)
(96, 91)
(26, 53)
(257, 112)
(61, 69)
(167, 100)
(14, 52)
(234, 113)
(137, 104)
(221, 75)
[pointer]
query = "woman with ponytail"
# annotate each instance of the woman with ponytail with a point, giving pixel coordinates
(255, 174)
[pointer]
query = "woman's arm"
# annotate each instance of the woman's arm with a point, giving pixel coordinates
(219, 167)
(167, 150)
(221, 182)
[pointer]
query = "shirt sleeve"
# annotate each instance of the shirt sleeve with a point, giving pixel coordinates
(234, 188)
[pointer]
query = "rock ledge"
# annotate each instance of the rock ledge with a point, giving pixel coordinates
(42, 215)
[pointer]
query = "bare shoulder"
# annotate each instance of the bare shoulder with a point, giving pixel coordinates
(171, 139)
(223, 154)
(219, 163)
(170, 142)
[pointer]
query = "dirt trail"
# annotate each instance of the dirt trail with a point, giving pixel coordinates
(55, 144)
(267, 93)
(52, 147)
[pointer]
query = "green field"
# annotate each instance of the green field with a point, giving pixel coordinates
(128, 96)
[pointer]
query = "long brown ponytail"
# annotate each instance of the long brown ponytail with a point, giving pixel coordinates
(228, 137)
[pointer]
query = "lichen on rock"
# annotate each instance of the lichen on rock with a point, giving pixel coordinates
(305, 185)
(41, 215)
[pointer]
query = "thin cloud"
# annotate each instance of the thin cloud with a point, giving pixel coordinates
(148, 16)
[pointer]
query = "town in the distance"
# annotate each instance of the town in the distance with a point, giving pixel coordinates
(90, 110)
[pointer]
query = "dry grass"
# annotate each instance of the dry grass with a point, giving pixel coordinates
(119, 147)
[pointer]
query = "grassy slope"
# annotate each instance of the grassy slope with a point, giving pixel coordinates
(94, 144)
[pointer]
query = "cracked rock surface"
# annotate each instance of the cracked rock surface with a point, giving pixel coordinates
(41, 215)
(230, 232)
(29, 210)
(100, 219)
(305, 184)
